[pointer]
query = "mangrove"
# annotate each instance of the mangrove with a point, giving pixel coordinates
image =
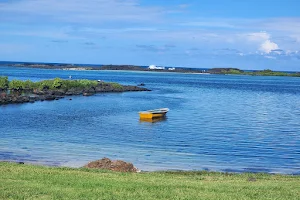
(18, 91)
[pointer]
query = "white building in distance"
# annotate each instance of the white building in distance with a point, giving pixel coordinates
(155, 67)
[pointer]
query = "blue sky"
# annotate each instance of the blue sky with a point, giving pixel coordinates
(248, 34)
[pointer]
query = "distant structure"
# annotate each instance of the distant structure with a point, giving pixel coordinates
(171, 68)
(155, 67)
(152, 67)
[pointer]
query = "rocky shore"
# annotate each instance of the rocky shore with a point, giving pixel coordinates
(26, 96)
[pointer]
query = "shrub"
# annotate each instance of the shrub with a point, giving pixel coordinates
(16, 85)
(57, 83)
(28, 85)
(45, 85)
(116, 85)
(4, 82)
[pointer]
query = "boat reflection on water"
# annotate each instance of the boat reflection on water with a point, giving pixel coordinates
(152, 120)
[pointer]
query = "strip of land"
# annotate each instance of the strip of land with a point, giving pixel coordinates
(266, 72)
(37, 182)
(17, 91)
(224, 71)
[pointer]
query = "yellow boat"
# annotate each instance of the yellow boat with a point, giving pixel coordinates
(150, 114)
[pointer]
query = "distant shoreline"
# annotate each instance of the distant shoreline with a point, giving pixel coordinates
(220, 71)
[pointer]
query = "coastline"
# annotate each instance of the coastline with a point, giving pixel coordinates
(163, 169)
(16, 91)
(146, 169)
(134, 68)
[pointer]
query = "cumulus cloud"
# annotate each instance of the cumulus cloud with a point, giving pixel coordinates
(268, 46)
(264, 42)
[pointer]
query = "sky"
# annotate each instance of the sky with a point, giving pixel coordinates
(246, 34)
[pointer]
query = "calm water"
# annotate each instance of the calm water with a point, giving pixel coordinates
(223, 123)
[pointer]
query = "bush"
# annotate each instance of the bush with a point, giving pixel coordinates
(57, 83)
(28, 85)
(16, 85)
(45, 85)
(4, 82)
(116, 85)
(53, 84)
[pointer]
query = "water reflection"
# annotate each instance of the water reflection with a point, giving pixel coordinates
(154, 120)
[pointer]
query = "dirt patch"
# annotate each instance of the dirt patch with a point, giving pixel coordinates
(113, 165)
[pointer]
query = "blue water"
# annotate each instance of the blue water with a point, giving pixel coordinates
(215, 122)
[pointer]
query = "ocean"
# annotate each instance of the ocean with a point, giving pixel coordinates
(227, 123)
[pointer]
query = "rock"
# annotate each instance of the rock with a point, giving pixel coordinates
(10, 97)
(50, 97)
(134, 88)
(251, 179)
(59, 92)
(38, 92)
(88, 94)
(74, 91)
(117, 165)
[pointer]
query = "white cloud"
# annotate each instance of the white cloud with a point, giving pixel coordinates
(13, 48)
(129, 20)
(258, 36)
(78, 11)
(268, 46)
(209, 24)
(263, 41)
(270, 57)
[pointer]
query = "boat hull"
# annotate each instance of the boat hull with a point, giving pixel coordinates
(151, 115)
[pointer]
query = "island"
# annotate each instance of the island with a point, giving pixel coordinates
(78, 67)
(266, 72)
(17, 91)
(151, 68)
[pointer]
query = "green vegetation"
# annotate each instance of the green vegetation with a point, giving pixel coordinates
(37, 182)
(4, 82)
(234, 71)
(266, 72)
(16, 85)
(53, 84)
(116, 85)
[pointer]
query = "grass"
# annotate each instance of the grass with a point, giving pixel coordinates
(38, 182)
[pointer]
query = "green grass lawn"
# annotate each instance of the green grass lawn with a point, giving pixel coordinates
(38, 182)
